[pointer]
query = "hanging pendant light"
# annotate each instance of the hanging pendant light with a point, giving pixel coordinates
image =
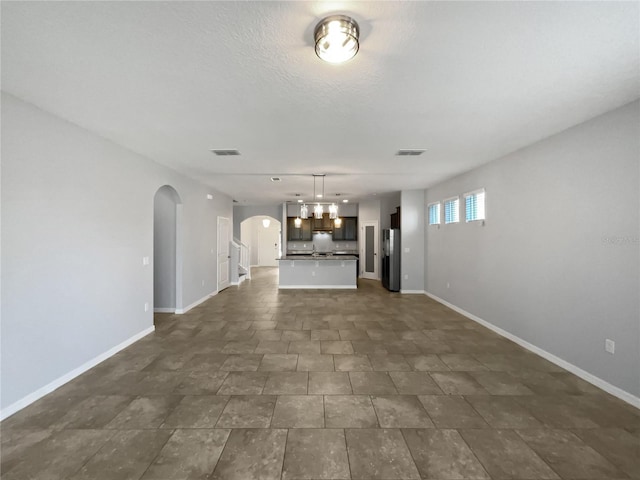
(337, 222)
(333, 211)
(297, 222)
(318, 210)
(304, 211)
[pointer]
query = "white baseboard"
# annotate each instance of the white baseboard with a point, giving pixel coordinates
(180, 311)
(421, 292)
(315, 287)
(597, 381)
(164, 310)
(58, 382)
(241, 279)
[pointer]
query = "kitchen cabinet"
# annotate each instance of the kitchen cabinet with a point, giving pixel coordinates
(302, 234)
(348, 231)
(323, 224)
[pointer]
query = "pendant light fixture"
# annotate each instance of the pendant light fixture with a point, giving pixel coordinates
(337, 222)
(318, 210)
(304, 211)
(297, 222)
(333, 211)
(336, 38)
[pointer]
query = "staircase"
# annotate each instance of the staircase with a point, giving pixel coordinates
(240, 267)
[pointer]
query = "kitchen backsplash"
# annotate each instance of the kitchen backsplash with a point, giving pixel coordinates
(323, 243)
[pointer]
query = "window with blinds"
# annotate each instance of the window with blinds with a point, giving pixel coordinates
(451, 208)
(434, 214)
(474, 206)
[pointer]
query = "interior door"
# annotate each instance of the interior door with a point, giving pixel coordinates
(269, 245)
(369, 244)
(223, 252)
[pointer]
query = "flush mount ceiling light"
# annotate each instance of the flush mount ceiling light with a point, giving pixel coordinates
(336, 38)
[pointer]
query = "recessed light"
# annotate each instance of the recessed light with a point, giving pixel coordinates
(300, 200)
(275, 179)
(346, 200)
(225, 152)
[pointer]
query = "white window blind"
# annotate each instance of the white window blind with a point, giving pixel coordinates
(434, 214)
(451, 208)
(474, 206)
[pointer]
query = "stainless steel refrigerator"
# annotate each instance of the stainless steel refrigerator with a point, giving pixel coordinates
(391, 259)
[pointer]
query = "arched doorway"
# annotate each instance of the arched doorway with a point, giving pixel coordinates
(263, 235)
(167, 250)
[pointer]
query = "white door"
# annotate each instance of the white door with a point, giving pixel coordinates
(223, 253)
(269, 245)
(369, 258)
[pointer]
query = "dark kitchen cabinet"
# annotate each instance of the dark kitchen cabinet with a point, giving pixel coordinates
(323, 224)
(302, 234)
(348, 231)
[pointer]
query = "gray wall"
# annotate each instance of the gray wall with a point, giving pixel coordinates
(412, 240)
(242, 212)
(77, 214)
(164, 248)
(557, 262)
(388, 204)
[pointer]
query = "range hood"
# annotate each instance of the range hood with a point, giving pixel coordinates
(322, 229)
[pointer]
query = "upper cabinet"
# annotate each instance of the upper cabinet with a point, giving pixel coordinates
(302, 233)
(323, 224)
(348, 231)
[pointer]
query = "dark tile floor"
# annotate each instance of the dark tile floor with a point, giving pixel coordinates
(257, 383)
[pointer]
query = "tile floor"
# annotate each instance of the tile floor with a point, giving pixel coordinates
(364, 384)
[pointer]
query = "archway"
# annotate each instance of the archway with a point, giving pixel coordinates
(167, 250)
(263, 235)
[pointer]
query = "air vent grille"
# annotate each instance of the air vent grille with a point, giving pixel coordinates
(226, 152)
(409, 153)
(275, 179)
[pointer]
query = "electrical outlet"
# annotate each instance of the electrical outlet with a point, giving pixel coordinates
(313, 274)
(146, 307)
(610, 346)
(203, 283)
(448, 284)
(406, 277)
(407, 250)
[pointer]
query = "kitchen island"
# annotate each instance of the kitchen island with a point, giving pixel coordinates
(311, 271)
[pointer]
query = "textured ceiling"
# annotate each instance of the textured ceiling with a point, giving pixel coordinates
(467, 81)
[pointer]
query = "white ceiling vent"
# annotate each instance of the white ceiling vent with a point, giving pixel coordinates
(275, 179)
(226, 152)
(409, 153)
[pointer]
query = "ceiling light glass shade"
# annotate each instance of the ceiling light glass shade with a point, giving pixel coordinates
(318, 211)
(333, 211)
(266, 222)
(297, 222)
(304, 212)
(336, 38)
(337, 222)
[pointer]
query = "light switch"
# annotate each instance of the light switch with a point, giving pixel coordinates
(145, 260)
(407, 249)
